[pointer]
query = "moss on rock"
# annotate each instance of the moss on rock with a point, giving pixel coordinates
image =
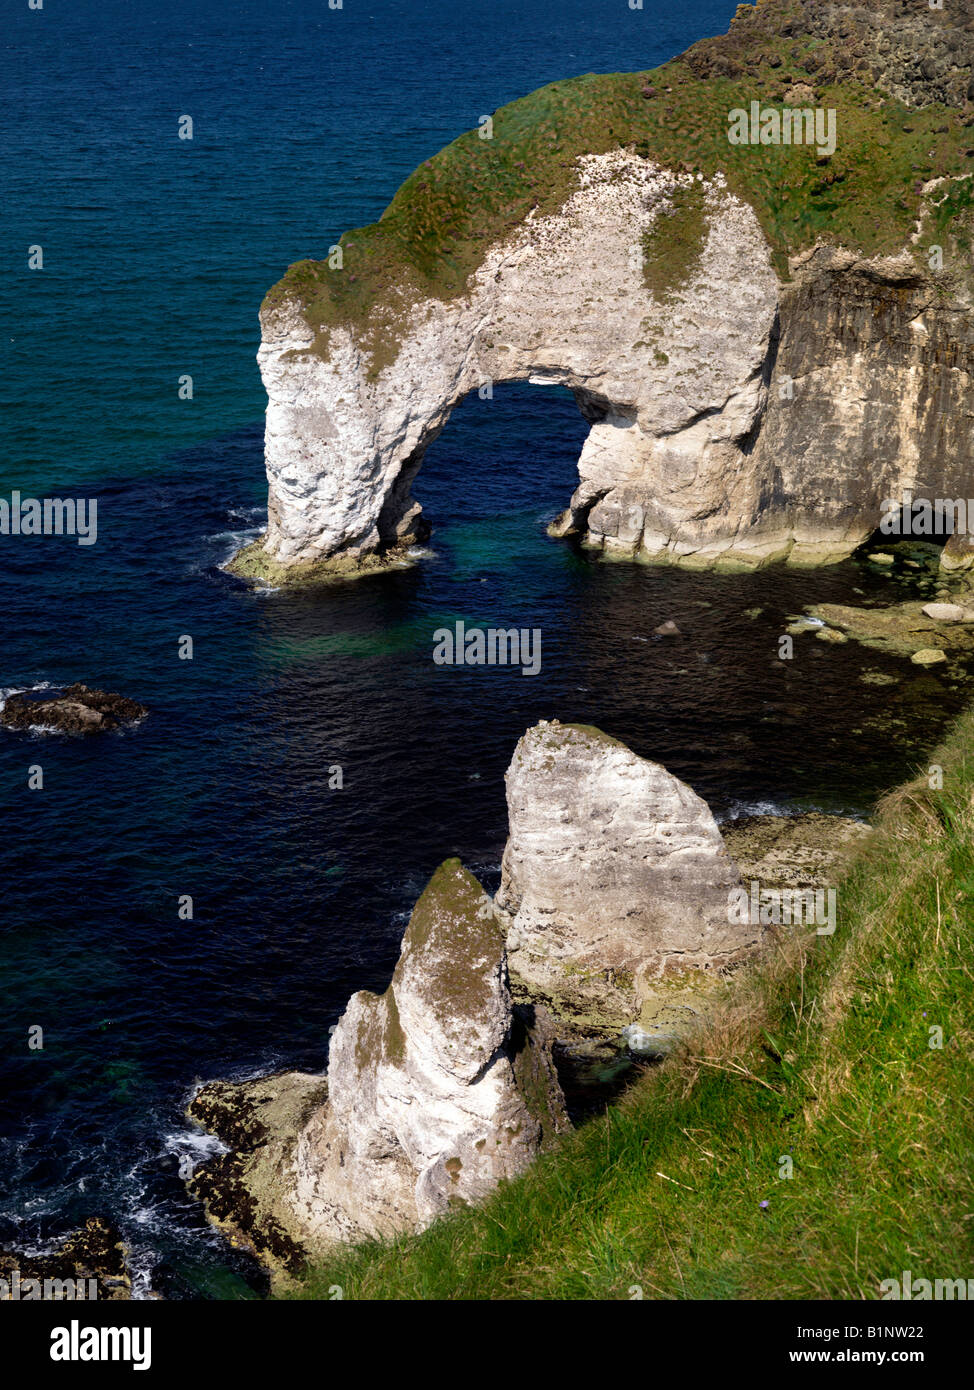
(253, 562)
(673, 246)
(453, 931)
(245, 1192)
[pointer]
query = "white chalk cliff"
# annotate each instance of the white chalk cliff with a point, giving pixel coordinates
(741, 422)
(425, 1105)
(672, 390)
(744, 406)
(615, 876)
(435, 1090)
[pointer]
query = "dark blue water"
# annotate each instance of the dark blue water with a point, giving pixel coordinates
(157, 254)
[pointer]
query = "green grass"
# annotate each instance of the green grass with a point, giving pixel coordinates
(674, 244)
(454, 207)
(825, 1057)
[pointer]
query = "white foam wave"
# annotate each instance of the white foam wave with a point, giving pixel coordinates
(235, 539)
(7, 690)
(251, 515)
(737, 810)
(195, 1144)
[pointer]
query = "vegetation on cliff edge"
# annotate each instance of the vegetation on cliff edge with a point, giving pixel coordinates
(454, 207)
(829, 1059)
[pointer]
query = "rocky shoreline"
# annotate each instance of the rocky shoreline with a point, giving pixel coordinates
(93, 1259)
(509, 1020)
(609, 932)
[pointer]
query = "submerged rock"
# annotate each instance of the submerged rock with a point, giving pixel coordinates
(436, 1090)
(903, 628)
(804, 851)
(77, 710)
(958, 553)
(615, 877)
(798, 626)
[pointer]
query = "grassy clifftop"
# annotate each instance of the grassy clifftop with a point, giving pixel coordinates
(868, 195)
(830, 1059)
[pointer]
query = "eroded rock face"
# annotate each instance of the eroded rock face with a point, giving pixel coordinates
(425, 1105)
(736, 422)
(436, 1089)
(672, 389)
(615, 876)
(873, 388)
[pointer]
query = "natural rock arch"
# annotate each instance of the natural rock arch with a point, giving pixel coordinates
(734, 419)
(671, 379)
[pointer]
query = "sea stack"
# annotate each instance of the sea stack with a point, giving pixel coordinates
(436, 1090)
(615, 876)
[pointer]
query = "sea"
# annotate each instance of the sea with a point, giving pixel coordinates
(156, 253)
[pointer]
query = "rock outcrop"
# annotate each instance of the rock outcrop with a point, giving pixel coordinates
(811, 850)
(425, 1107)
(436, 1090)
(91, 1263)
(872, 397)
(615, 878)
(77, 710)
(615, 911)
(672, 391)
(902, 628)
(915, 53)
(765, 352)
